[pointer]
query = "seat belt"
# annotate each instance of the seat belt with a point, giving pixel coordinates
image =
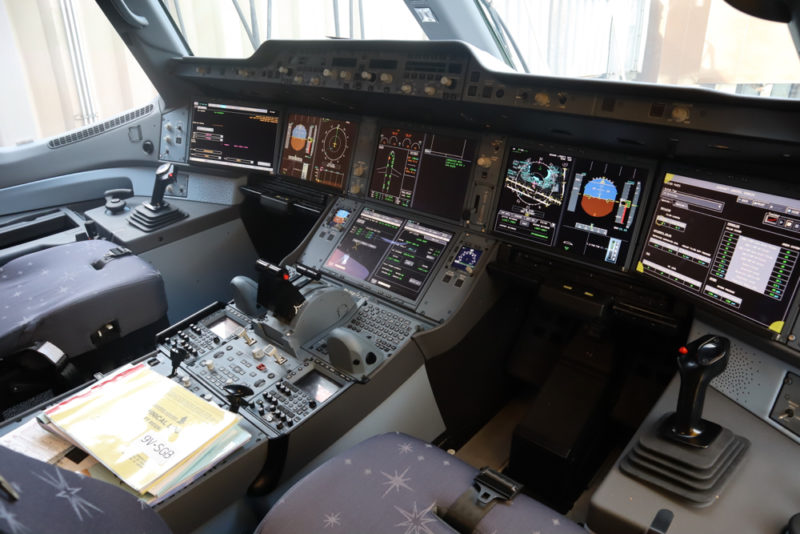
(488, 488)
(111, 255)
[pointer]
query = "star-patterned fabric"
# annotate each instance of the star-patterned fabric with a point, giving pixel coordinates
(394, 483)
(52, 500)
(56, 295)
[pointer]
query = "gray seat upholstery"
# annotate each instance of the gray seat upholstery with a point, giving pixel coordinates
(396, 483)
(56, 295)
(57, 501)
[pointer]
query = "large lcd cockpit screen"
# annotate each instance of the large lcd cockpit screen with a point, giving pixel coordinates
(318, 149)
(388, 252)
(424, 171)
(584, 207)
(229, 135)
(732, 247)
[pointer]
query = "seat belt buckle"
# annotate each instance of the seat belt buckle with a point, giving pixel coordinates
(111, 254)
(493, 485)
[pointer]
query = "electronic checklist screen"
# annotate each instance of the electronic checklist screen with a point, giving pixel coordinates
(731, 247)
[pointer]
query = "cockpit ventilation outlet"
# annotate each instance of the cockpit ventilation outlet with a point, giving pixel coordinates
(741, 377)
(97, 129)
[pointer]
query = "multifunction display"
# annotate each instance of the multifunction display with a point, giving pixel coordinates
(735, 248)
(318, 149)
(584, 207)
(234, 136)
(389, 252)
(425, 171)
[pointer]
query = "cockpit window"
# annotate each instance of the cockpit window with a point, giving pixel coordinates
(65, 68)
(214, 28)
(701, 43)
(704, 43)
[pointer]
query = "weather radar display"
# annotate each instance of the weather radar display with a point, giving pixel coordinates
(583, 207)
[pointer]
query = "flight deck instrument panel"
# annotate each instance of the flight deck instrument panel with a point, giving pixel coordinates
(734, 248)
(579, 206)
(318, 149)
(424, 171)
(389, 252)
(231, 135)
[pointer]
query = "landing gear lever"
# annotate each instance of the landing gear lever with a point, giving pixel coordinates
(698, 363)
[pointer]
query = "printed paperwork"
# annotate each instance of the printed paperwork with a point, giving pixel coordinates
(149, 431)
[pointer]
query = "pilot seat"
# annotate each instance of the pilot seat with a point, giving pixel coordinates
(63, 312)
(393, 481)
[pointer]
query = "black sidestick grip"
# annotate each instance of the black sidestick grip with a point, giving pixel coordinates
(698, 363)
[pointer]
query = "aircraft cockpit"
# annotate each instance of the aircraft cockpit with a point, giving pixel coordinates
(455, 275)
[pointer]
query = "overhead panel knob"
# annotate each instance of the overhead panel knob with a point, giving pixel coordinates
(386, 77)
(328, 73)
(430, 90)
(406, 88)
(680, 114)
(541, 98)
(447, 81)
(368, 76)
(346, 75)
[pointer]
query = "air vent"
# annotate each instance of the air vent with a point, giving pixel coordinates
(97, 129)
(741, 376)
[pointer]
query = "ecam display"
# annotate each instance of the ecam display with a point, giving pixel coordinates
(427, 172)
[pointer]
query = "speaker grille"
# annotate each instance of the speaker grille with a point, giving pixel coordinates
(742, 375)
(97, 129)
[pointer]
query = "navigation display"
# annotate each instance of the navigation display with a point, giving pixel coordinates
(230, 135)
(389, 252)
(423, 171)
(579, 206)
(318, 149)
(732, 247)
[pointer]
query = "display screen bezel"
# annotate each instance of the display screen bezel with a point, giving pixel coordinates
(279, 111)
(759, 185)
(648, 165)
(426, 129)
(374, 288)
(356, 121)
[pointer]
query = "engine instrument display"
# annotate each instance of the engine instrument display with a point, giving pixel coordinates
(230, 135)
(731, 247)
(584, 207)
(423, 171)
(318, 149)
(388, 252)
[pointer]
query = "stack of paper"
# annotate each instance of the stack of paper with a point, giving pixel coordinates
(152, 433)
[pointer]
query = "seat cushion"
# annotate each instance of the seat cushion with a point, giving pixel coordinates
(396, 483)
(53, 500)
(56, 295)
